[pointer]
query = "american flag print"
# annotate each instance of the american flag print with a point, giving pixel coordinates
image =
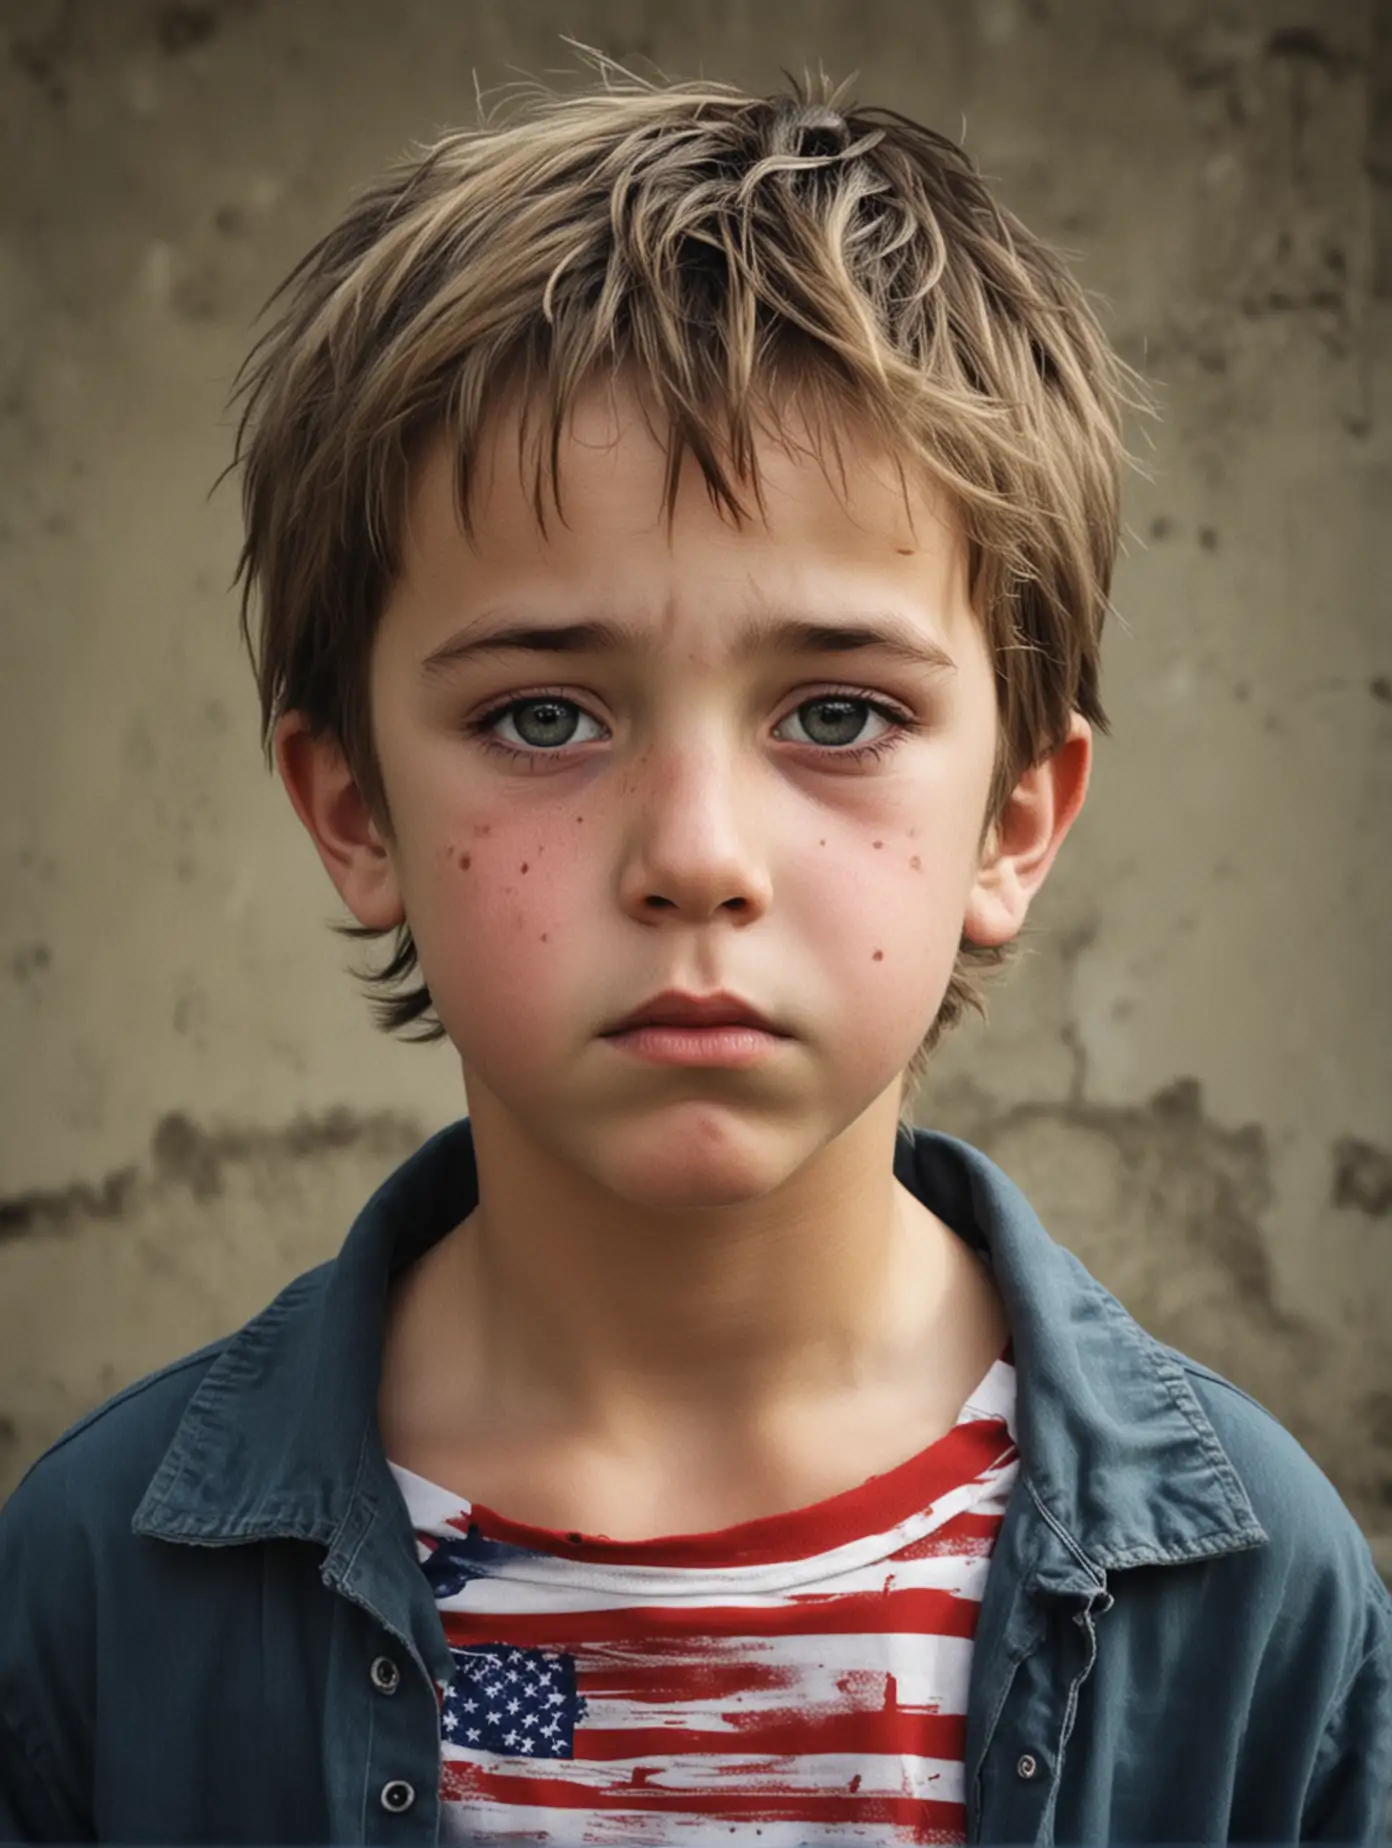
(518, 1701)
(798, 1681)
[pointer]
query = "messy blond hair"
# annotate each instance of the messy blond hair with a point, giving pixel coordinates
(747, 257)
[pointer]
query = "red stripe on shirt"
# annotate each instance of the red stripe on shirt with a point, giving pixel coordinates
(910, 1611)
(463, 1780)
(785, 1732)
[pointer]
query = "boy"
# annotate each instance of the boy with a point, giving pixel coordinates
(682, 523)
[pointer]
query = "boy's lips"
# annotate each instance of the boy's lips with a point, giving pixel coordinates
(673, 1008)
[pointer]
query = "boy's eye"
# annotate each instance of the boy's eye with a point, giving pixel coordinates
(837, 719)
(546, 723)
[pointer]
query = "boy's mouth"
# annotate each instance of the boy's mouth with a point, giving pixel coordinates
(672, 1008)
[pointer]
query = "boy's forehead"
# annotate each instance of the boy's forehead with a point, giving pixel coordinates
(822, 516)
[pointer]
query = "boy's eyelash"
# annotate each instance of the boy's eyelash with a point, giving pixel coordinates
(481, 727)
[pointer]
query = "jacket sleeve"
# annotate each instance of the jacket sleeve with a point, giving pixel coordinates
(47, 1631)
(1350, 1793)
(30, 1809)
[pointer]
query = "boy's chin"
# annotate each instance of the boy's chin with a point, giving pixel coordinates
(696, 1155)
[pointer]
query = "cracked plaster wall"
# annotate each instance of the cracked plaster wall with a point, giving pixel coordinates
(1191, 1072)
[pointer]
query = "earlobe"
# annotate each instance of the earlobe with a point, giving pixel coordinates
(336, 817)
(1042, 808)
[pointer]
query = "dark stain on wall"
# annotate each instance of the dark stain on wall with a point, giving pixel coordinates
(195, 1158)
(1304, 45)
(30, 959)
(63, 1208)
(1377, 159)
(181, 25)
(1362, 1177)
(1185, 1171)
(41, 56)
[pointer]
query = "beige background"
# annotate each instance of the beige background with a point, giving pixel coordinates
(1192, 1073)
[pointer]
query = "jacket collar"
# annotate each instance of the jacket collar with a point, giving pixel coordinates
(280, 1438)
(1116, 1451)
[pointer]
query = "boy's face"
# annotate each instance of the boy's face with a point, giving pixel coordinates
(681, 813)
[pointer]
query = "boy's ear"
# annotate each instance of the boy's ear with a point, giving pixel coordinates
(336, 816)
(1021, 847)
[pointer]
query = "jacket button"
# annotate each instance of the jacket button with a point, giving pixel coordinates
(1026, 1766)
(397, 1796)
(386, 1676)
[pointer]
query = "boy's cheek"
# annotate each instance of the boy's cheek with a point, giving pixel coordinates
(495, 927)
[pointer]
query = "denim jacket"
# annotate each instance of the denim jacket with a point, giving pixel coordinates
(213, 1628)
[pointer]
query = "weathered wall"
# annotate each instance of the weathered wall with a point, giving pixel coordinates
(1191, 1074)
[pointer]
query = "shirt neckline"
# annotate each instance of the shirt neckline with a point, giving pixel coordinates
(839, 1532)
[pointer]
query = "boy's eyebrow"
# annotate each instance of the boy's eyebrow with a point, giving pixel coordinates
(886, 636)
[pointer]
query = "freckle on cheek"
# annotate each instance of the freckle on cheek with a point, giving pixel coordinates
(879, 843)
(466, 860)
(916, 864)
(482, 827)
(524, 866)
(878, 956)
(545, 937)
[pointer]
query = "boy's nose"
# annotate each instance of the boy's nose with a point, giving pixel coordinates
(695, 838)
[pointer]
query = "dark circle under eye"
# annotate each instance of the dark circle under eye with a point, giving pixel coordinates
(846, 725)
(545, 721)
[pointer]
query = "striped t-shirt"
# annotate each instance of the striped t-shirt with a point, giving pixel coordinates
(799, 1679)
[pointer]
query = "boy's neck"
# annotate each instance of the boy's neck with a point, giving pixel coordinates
(552, 1322)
